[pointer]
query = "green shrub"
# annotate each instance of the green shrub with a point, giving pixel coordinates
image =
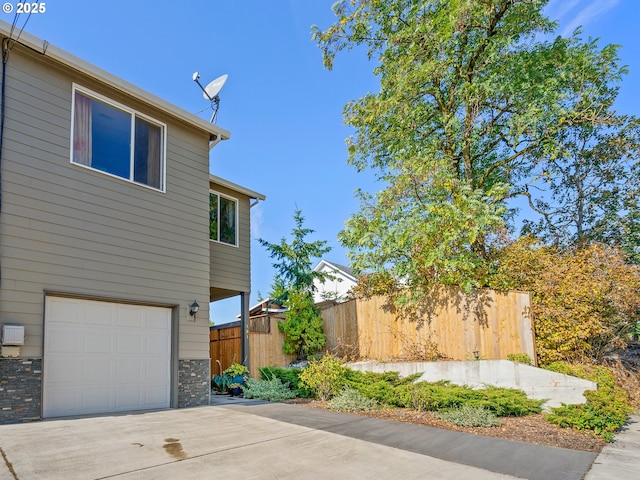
(325, 376)
(272, 390)
(387, 388)
(469, 416)
(351, 400)
(501, 401)
(520, 358)
(606, 408)
(290, 376)
(507, 402)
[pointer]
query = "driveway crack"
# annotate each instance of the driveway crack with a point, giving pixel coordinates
(8, 464)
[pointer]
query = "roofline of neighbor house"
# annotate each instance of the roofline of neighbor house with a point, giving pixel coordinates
(235, 187)
(75, 63)
(336, 267)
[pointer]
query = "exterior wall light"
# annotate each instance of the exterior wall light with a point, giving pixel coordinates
(193, 309)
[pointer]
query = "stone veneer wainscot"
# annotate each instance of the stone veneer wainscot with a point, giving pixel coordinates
(194, 383)
(20, 390)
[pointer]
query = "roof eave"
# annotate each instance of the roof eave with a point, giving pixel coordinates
(235, 187)
(86, 68)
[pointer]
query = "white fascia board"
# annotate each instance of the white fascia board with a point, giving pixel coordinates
(75, 63)
(236, 188)
(324, 265)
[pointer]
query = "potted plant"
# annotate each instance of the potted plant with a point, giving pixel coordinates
(235, 389)
(237, 372)
(220, 383)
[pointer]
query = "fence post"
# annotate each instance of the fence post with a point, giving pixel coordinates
(244, 328)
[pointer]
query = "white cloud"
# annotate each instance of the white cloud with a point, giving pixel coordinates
(584, 15)
(557, 9)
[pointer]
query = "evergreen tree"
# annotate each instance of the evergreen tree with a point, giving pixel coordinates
(293, 288)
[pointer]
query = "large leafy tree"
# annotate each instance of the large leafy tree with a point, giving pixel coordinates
(293, 287)
(589, 190)
(474, 100)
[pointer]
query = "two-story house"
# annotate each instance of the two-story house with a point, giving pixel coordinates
(337, 287)
(114, 237)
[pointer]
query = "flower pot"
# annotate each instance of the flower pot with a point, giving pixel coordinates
(235, 392)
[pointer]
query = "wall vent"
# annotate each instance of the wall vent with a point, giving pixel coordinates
(12, 335)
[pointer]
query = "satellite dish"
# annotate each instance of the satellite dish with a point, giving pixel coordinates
(211, 91)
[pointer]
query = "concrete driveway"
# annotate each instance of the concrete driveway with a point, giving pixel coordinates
(251, 440)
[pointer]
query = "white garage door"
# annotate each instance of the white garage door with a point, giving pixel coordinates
(105, 357)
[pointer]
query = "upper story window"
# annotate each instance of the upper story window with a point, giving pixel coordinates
(223, 218)
(117, 140)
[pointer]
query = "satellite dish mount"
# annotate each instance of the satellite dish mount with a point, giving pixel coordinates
(211, 91)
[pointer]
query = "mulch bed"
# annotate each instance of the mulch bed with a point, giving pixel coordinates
(530, 429)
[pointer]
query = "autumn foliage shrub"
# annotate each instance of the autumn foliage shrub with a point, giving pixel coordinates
(584, 301)
(325, 376)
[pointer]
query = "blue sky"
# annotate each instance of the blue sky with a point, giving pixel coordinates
(283, 109)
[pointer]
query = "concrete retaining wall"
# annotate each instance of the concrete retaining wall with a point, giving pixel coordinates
(537, 383)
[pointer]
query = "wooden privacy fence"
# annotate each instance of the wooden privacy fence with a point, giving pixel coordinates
(265, 344)
(457, 326)
(225, 346)
(452, 325)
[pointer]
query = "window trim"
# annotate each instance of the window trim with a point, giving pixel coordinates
(228, 197)
(133, 113)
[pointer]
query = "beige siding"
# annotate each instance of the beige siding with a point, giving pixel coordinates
(230, 265)
(70, 229)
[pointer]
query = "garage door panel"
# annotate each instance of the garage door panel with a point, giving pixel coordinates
(156, 345)
(97, 313)
(105, 357)
(62, 340)
(61, 368)
(99, 342)
(156, 395)
(151, 374)
(128, 398)
(69, 398)
(130, 317)
(129, 371)
(129, 343)
(97, 397)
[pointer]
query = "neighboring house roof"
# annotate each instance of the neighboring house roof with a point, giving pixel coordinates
(337, 286)
(42, 46)
(348, 272)
(265, 306)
